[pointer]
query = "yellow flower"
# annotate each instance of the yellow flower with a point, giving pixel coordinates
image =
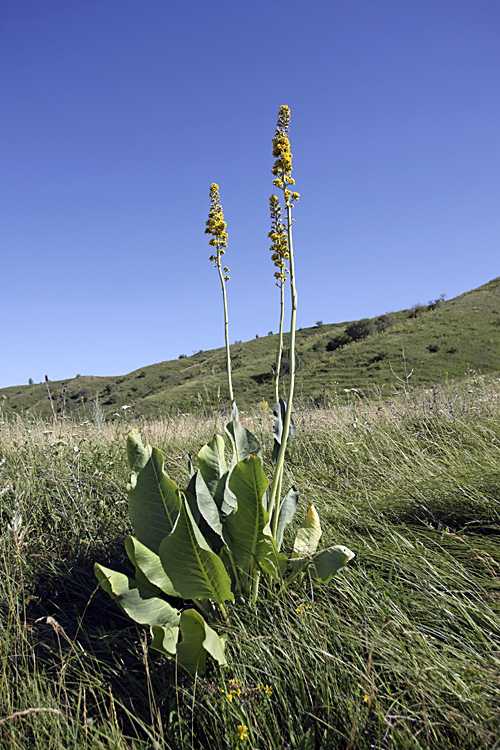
(268, 689)
(215, 225)
(282, 168)
(241, 732)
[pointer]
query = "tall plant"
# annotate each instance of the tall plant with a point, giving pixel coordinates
(216, 228)
(199, 549)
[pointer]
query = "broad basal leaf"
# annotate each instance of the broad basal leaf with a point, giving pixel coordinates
(153, 502)
(245, 529)
(137, 455)
(322, 565)
(149, 564)
(195, 571)
(139, 603)
(329, 561)
(196, 640)
(212, 463)
(243, 441)
(207, 507)
(286, 514)
(279, 412)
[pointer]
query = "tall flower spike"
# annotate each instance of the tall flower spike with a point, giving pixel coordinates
(216, 228)
(282, 168)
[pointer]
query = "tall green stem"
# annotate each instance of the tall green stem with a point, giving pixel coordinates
(280, 344)
(226, 329)
(278, 471)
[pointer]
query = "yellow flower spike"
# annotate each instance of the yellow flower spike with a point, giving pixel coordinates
(241, 732)
(215, 224)
(216, 227)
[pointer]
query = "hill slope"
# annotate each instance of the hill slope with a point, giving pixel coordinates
(433, 342)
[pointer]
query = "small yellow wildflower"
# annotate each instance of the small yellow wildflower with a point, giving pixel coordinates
(268, 689)
(366, 698)
(241, 732)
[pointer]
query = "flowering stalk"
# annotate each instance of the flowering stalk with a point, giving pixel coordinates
(282, 171)
(216, 227)
(280, 255)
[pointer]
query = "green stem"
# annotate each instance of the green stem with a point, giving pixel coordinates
(291, 579)
(226, 327)
(237, 581)
(224, 611)
(280, 343)
(291, 359)
(255, 587)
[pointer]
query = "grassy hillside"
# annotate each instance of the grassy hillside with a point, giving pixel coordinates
(433, 342)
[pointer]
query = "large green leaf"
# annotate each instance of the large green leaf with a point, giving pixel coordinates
(195, 571)
(137, 455)
(139, 603)
(245, 530)
(164, 639)
(196, 640)
(243, 441)
(329, 561)
(287, 512)
(207, 506)
(149, 564)
(212, 463)
(279, 412)
(153, 502)
(323, 565)
(189, 495)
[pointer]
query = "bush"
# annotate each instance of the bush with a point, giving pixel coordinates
(382, 323)
(361, 329)
(416, 310)
(340, 340)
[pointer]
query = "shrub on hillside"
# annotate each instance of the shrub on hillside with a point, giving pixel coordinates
(360, 329)
(383, 322)
(340, 340)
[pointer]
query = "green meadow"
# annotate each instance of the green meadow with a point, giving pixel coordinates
(399, 650)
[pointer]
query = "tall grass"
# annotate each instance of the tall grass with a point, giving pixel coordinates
(401, 650)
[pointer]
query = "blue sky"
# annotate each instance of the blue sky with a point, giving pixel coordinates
(118, 115)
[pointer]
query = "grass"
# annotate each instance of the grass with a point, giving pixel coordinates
(433, 343)
(400, 650)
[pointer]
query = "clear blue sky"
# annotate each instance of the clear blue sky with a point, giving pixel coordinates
(118, 114)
